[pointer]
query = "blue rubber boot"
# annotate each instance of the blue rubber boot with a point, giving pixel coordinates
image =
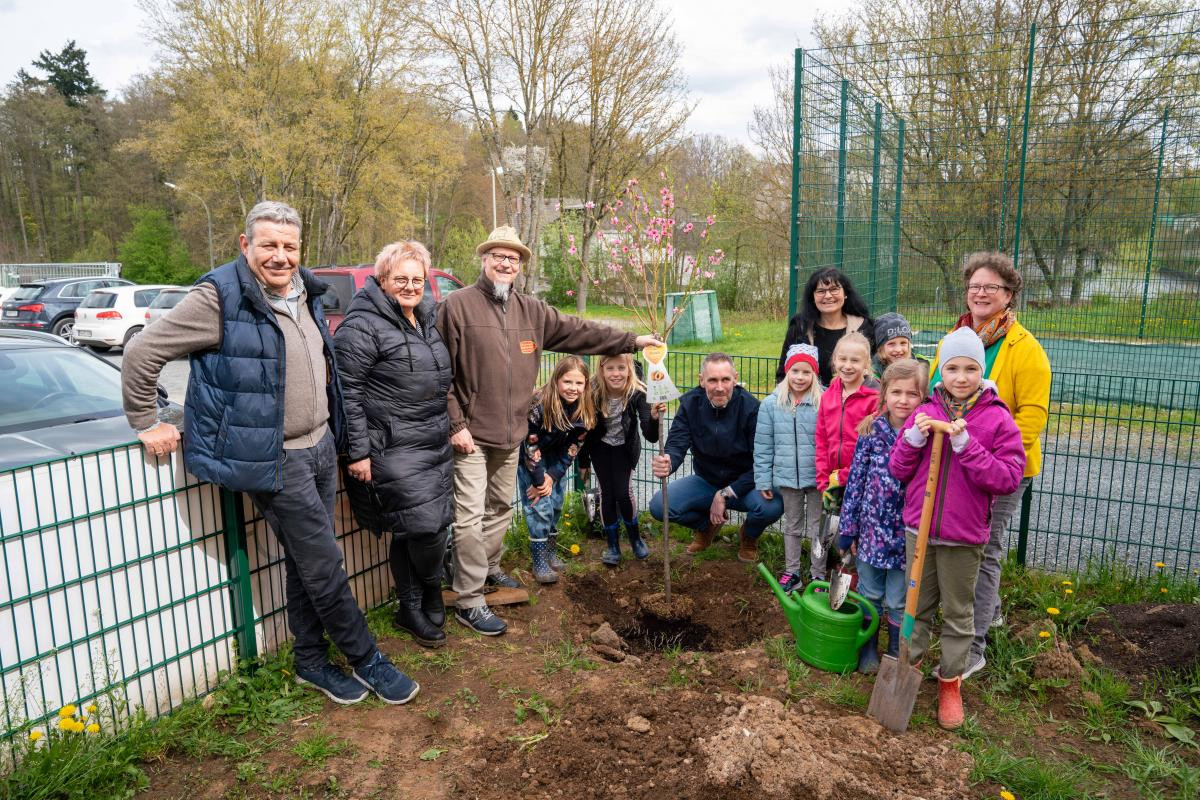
(542, 571)
(556, 563)
(893, 639)
(640, 550)
(612, 556)
(868, 657)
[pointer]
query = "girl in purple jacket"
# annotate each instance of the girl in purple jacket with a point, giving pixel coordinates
(985, 459)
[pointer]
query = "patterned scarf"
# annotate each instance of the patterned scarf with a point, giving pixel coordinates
(954, 408)
(991, 331)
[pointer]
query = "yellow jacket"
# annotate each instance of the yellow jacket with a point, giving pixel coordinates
(1021, 373)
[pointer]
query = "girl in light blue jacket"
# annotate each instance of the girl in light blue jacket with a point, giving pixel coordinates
(785, 455)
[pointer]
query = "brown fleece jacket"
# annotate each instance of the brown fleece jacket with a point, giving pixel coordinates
(496, 350)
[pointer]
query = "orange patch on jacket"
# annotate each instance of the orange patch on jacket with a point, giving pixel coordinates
(528, 346)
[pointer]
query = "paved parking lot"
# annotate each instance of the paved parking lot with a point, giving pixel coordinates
(174, 375)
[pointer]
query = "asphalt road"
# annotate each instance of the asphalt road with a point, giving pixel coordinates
(174, 375)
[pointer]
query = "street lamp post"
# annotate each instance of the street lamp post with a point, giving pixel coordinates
(495, 171)
(211, 263)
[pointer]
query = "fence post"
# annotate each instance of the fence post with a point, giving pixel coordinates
(797, 135)
(874, 255)
(896, 217)
(1162, 146)
(241, 598)
(1024, 149)
(840, 228)
(1004, 188)
(1023, 530)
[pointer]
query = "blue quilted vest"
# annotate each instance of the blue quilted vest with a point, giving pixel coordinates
(233, 415)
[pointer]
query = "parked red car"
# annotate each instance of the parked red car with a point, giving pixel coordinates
(344, 282)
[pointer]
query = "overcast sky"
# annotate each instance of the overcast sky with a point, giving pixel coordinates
(728, 46)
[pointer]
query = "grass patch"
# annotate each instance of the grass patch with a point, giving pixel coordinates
(318, 747)
(566, 655)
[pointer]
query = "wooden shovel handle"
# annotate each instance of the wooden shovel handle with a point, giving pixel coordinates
(918, 563)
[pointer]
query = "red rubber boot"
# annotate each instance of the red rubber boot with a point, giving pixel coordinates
(950, 707)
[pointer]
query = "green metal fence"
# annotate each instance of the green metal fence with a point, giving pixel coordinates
(1072, 147)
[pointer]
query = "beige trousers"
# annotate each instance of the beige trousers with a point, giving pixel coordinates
(949, 580)
(484, 482)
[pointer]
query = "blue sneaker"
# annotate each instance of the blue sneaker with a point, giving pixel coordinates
(502, 579)
(331, 682)
(789, 581)
(481, 620)
(390, 684)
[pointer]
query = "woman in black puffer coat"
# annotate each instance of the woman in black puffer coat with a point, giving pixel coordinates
(395, 373)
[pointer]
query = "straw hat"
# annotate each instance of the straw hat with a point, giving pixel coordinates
(504, 236)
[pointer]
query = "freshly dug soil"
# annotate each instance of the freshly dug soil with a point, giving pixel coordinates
(1140, 639)
(725, 613)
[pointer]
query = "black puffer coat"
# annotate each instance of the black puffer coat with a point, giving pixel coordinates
(395, 381)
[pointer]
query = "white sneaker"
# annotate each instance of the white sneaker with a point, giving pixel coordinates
(971, 669)
(997, 621)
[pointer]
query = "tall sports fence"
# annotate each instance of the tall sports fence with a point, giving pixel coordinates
(1075, 148)
(129, 578)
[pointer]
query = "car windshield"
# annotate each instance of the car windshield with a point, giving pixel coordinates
(27, 293)
(46, 386)
(99, 300)
(168, 298)
(144, 297)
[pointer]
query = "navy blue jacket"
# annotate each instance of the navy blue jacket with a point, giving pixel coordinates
(721, 439)
(234, 406)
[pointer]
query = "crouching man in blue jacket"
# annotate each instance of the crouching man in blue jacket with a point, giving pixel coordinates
(716, 421)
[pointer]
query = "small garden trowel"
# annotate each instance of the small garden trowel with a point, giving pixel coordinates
(843, 580)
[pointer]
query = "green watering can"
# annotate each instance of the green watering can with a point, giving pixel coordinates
(826, 639)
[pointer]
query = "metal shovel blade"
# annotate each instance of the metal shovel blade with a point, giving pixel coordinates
(895, 694)
(839, 587)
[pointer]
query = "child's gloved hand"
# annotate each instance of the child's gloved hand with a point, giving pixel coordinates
(844, 542)
(915, 437)
(834, 480)
(831, 499)
(958, 435)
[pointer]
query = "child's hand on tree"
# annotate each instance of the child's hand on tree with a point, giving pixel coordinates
(767, 494)
(657, 410)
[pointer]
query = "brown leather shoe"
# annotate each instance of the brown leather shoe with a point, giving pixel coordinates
(747, 547)
(703, 538)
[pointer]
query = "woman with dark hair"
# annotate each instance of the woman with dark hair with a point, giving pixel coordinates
(395, 372)
(829, 309)
(1017, 366)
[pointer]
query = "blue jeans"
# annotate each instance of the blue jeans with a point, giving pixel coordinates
(885, 588)
(541, 515)
(691, 498)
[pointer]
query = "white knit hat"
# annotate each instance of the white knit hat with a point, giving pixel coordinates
(962, 342)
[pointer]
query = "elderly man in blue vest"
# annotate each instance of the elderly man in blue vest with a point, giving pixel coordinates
(262, 416)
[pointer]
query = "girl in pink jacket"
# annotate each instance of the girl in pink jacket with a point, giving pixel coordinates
(985, 459)
(852, 395)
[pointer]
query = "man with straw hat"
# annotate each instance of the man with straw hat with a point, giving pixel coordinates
(496, 336)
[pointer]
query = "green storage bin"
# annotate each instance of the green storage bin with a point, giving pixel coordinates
(701, 321)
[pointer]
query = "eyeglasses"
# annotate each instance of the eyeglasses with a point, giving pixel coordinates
(510, 260)
(987, 289)
(404, 283)
(828, 291)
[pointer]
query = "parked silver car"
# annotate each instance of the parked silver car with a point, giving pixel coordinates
(167, 299)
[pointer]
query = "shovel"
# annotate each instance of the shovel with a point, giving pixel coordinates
(898, 681)
(842, 581)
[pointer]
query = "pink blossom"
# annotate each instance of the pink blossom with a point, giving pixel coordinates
(708, 274)
(671, 222)
(595, 282)
(711, 219)
(688, 228)
(589, 204)
(704, 233)
(571, 249)
(558, 206)
(570, 292)
(689, 261)
(614, 221)
(619, 204)
(633, 181)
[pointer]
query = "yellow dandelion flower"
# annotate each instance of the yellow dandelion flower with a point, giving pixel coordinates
(66, 711)
(93, 728)
(93, 708)
(1163, 590)
(77, 726)
(1067, 583)
(1043, 634)
(66, 723)
(35, 735)
(1005, 794)
(1159, 564)
(1052, 611)
(574, 549)
(1068, 591)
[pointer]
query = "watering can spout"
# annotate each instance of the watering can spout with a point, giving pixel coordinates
(789, 603)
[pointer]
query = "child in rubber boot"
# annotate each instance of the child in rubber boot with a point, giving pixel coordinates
(613, 447)
(850, 397)
(984, 459)
(559, 420)
(784, 455)
(871, 523)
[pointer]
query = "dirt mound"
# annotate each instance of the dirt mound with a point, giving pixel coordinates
(695, 746)
(726, 614)
(1140, 639)
(787, 753)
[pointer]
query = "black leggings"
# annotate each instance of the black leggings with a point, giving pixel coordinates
(416, 563)
(613, 474)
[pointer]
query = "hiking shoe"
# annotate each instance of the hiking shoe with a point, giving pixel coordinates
(390, 684)
(702, 538)
(502, 579)
(481, 620)
(789, 581)
(331, 682)
(747, 547)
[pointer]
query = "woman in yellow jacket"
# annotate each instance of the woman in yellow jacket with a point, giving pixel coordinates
(1018, 366)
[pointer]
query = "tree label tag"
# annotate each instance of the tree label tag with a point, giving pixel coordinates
(659, 386)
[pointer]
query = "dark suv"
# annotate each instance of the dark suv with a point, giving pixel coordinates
(50, 305)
